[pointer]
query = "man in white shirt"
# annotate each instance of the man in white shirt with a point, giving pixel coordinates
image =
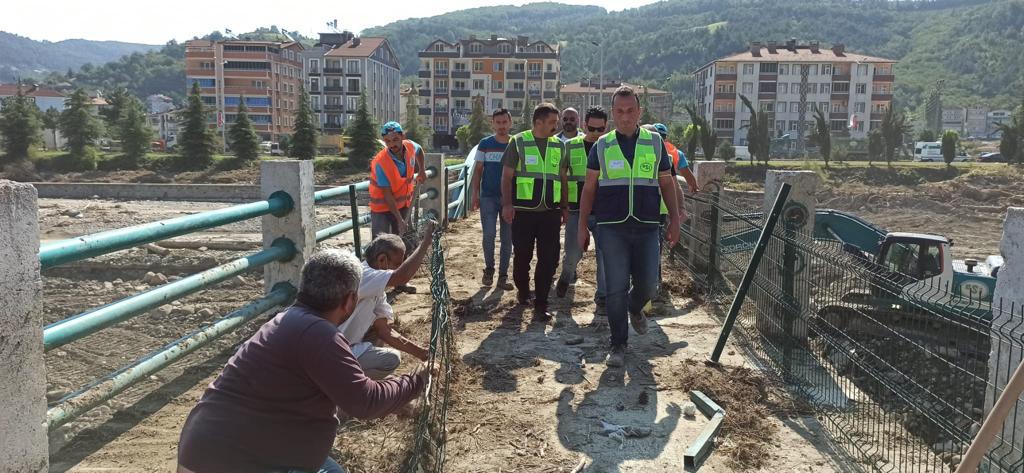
(385, 267)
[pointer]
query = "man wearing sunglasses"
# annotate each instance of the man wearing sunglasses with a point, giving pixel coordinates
(574, 173)
(570, 125)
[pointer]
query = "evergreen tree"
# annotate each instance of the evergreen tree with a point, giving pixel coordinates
(894, 126)
(677, 135)
(195, 140)
(726, 152)
(876, 145)
(926, 135)
(950, 141)
(19, 126)
(413, 130)
(477, 123)
(691, 140)
(759, 137)
(646, 118)
(362, 136)
(117, 103)
(462, 135)
(80, 127)
(821, 136)
(51, 121)
(244, 140)
(136, 134)
(303, 141)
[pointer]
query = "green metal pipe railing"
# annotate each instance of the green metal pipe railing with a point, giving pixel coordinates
(79, 326)
(340, 191)
(88, 246)
(77, 403)
(338, 229)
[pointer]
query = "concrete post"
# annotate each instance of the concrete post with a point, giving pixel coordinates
(437, 206)
(22, 366)
(295, 178)
(787, 266)
(1008, 325)
(709, 179)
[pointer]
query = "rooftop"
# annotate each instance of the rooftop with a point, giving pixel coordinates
(790, 51)
(584, 87)
(7, 90)
(356, 47)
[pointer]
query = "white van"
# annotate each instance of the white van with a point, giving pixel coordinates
(928, 151)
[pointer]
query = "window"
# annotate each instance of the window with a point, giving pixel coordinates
(794, 125)
(247, 65)
(794, 87)
(314, 102)
(460, 66)
(353, 85)
(862, 69)
(748, 87)
(205, 65)
(478, 66)
(823, 106)
(862, 88)
(517, 104)
(784, 69)
(767, 106)
(460, 103)
(826, 69)
(766, 87)
(781, 107)
(459, 85)
(518, 67)
(534, 67)
(859, 107)
(769, 68)
(495, 104)
(204, 83)
(259, 84)
(497, 67)
(825, 88)
(497, 85)
(441, 85)
(812, 88)
(724, 124)
(841, 88)
(478, 84)
(476, 48)
(550, 67)
(837, 125)
(209, 100)
(748, 68)
(518, 86)
(783, 88)
(352, 67)
(812, 70)
(314, 84)
(439, 47)
(504, 48)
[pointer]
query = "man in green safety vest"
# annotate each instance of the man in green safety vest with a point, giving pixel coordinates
(628, 172)
(533, 201)
(574, 172)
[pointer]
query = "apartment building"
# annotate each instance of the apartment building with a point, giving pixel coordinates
(341, 67)
(791, 81)
(502, 72)
(585, 94)
(267, 73)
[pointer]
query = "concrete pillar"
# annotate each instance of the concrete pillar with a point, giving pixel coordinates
(1008, 325)
(294, 177)
(790, 268)
(709, 179)
(436, 207)
(22, 367)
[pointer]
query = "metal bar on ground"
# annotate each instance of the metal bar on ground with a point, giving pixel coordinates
(354, 210)
(340, 191)
(338, 229)
(75, 404)
(88, 246)
(81, 325)
(748, 275)
(698, 451)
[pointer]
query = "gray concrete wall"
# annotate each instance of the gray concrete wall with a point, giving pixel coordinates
(23, 443)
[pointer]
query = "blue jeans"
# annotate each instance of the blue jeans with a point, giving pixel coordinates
(573, 252)
(599, 295)
(490, 213)
(633, 251)
(329, 466)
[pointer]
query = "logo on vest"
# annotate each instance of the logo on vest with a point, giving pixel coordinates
(646, 167)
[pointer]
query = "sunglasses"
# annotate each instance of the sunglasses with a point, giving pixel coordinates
(595, 128)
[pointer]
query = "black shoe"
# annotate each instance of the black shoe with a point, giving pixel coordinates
(639, 322)
(616, 357)
(503, 284)
(488, 278)
(541, 314)
(524, 298)
(561, 287)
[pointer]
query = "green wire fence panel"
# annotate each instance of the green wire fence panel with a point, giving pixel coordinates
(899, 369)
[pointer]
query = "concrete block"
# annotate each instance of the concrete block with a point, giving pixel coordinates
(709, 176)
(709, 173)
(295, 178)
(436, 208)
(22, 366)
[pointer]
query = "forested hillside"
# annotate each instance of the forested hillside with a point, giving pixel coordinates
(21, 56)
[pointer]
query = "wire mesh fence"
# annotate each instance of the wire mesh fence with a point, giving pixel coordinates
(900, 357)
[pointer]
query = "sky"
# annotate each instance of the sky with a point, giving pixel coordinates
(141, 21)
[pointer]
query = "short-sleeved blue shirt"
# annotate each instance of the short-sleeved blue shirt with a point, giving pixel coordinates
(490, 152)
(382, 177)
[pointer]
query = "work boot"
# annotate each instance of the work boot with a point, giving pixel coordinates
(616, 357)
(524, 298)
(540, 312)
(561, 287)
(503, 283)
(488, 278)
(639, 322)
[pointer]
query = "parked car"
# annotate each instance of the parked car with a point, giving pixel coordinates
(991, 158)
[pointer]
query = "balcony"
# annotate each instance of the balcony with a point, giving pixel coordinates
(460, 74)
(512, 75)
(884, 77)
(460, 92)
(314, 90)
(550, 75)
(725, 114)
(441, 110)
(333, 71)
(424, 92)
(766, 95)
(725, 95)
(550, 94)
(725, 77)
(768, 77)
(440, 91)
(534, 93)
(423, 74)
(314, 72)
(334, 107)
(838, 115)
(332, 126)
(424, 111)
(840, 77)
(536, 75)
(515, 94)
(440, 72)
(876, 116)
(333, 89)
(840, 95)
(881, 96)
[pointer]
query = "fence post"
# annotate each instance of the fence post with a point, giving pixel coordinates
(795, 271)
(436, 206)
(709, 179)
(353, 205)
(294, 177)
(1007, 327)
(22, 366)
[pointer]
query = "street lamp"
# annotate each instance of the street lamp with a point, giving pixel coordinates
(600, 90)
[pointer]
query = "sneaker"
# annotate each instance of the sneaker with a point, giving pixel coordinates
(639, 322)
(561, 287)
(616, 357)
(503, 284)
(488, 278)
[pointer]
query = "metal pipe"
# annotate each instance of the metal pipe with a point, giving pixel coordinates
(340, 191)
(429, 194)
(338, 229)
(748, 275)
(354, 209)
(457, 185)
(88, 246)
(994, 422)
(81, 325)
(455, 167)
(77, 403)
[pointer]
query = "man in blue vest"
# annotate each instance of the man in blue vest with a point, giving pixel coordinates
(628, 171)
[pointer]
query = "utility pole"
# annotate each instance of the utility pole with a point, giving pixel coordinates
(222, 116)
(600, 87)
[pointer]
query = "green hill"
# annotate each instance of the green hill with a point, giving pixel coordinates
(22, 57)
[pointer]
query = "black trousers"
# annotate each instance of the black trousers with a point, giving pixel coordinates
(540, 229)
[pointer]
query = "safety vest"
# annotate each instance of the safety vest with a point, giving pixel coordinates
(577, 151)
(628, 190)
(673, 152)
(401, 186)
(538, 181)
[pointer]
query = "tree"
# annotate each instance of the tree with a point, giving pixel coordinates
(285, 143)
(117, 103)
(726, 152)
(244, 140)
(303, 142)
(705, 135)
(950, 141)
(196, 140)
(136, 134)
(1011, 144)
(821, 136)
(362, 135)
(894, 127)
(412, 128)
(759, 138)
(51, 120)
(646, 118)
(80, 127)
(876, 145)
(526, 120)
(19, 126)
(926, 135)
(677, 134)
(462, 135)
(477, 123)
(691, 140)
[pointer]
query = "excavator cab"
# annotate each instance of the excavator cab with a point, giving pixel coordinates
(914, 261)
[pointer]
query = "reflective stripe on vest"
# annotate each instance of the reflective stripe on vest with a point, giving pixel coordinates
(401, 186)
(577, 153)
(538, 182)
(628, 190)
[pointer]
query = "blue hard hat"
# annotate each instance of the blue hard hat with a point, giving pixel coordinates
(390, 127)
(662, 129)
